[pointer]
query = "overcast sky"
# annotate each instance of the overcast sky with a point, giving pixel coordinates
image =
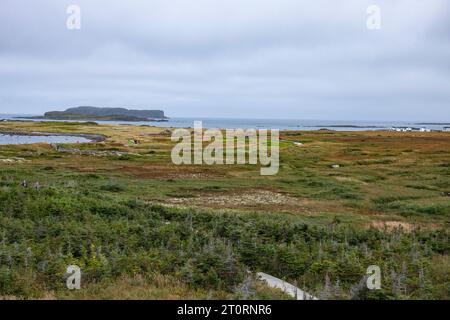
(229, 58)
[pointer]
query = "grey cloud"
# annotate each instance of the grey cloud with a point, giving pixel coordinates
(241, 58)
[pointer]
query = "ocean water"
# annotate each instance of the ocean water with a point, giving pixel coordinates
(282, 124)
(21, 139)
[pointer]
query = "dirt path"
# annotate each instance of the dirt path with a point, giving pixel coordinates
(287, 288)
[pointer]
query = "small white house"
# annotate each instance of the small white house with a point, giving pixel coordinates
(402, 129)
(446, 129)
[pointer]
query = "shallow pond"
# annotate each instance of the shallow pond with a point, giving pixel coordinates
(25, 139)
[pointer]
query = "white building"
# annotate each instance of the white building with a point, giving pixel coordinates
(401, 129)
(409, 129)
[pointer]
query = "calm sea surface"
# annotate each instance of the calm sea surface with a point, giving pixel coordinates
(288, 124)
(20, 139)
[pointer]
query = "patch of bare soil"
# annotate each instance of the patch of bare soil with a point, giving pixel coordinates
(12, 160)
(200, 175)
(345, 179)
(392, 225)
(405, 226)
(257, 199)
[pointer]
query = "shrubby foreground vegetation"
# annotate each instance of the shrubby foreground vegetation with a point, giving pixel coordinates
(45, 230)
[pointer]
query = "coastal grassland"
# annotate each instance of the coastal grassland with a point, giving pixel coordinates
(131, 219)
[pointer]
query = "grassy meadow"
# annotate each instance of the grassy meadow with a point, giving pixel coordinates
(141, 227)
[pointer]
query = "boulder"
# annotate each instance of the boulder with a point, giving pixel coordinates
(166, 132)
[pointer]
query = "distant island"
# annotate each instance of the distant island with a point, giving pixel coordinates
(433, 123)
(104, 114)
(346, 126)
